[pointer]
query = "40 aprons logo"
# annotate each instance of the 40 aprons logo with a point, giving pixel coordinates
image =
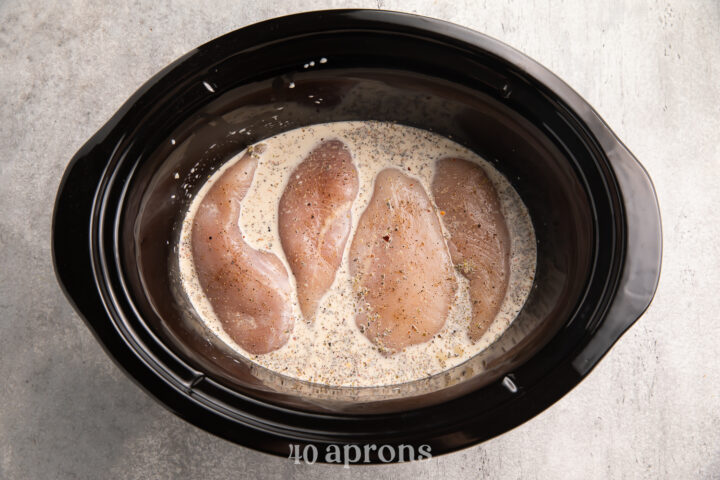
(351, 454)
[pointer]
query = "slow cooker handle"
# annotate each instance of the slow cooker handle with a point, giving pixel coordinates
(72, 218)
(643, 253)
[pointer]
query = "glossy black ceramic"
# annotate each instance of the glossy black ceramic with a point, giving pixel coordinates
(120, 206)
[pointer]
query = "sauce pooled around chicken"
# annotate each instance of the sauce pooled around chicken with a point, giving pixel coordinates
(406, 253)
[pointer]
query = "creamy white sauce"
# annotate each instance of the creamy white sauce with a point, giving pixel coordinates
(331, 350)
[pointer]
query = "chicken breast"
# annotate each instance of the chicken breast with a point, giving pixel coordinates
(248, 289)
(479, 242)
(314, 220)
(400, 264)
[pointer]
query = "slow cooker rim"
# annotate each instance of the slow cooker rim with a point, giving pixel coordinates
(108, 279)
(607, 180)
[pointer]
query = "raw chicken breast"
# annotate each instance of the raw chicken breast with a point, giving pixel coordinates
(314, 220)
(248, 289)
(479, 241)
(400, 265)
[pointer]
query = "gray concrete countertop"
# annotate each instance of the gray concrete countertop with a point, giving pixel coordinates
(651, 409)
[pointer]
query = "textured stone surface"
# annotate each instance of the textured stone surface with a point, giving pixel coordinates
(651, 409)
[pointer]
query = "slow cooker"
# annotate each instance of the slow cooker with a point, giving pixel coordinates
(119, 210)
